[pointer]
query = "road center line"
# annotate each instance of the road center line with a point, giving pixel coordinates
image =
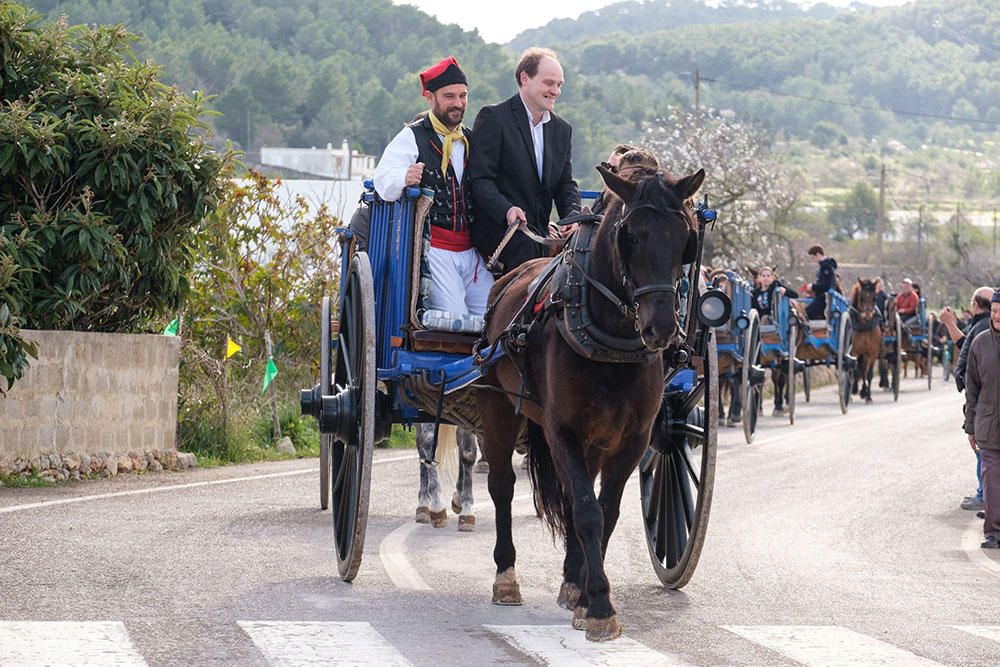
(176, 487)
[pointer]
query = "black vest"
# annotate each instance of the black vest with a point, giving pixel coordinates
(452, 207)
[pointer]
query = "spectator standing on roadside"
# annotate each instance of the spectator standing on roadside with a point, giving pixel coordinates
(982, 416)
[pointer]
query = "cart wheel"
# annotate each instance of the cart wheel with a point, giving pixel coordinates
(325, 375)
(845, 370)
(677, 473)
(752, 386)
(805, 383)
(352, 444)
(898, 362)
(793, 334)
(929, 340)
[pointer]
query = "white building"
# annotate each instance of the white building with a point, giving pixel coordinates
(340, 164)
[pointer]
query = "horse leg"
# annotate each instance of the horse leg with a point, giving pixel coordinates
(857, 376)
(481, 465)
(869, 374)
(500, 431)
(779, 379)
(425, 438)
(588, 521)
(437, 513)
(461, 502)
(572, 587)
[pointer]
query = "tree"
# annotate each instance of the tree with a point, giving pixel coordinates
(264, 265)
(105, 175)
(856, 214)
(755, 195)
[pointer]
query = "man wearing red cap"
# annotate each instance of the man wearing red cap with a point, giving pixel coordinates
(522, 162)
(431, 153)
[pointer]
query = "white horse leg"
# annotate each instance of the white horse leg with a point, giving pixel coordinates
(425, 440)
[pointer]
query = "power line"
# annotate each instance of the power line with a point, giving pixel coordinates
(959, 36)
(853, 105)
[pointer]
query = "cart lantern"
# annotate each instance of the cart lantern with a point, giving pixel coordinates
(714, 308)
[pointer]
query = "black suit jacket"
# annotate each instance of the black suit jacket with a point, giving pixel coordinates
(503, 172)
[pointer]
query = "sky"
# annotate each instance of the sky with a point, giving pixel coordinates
(501, 20)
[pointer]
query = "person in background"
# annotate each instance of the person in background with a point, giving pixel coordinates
(980, 309)
(826, 279)
(982, 416)
(907, 302)
(766, 287)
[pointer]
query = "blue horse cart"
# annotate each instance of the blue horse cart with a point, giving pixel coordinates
(381, 364)
(903, 340)
(824, 342)
(740, 351)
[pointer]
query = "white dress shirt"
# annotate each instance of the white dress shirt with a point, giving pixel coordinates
(390, 173)
(537, 136)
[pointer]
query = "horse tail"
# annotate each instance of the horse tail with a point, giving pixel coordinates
(551, 498)
(447, 452)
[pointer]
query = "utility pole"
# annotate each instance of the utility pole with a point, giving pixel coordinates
(880, 221)
(697, 96)
(994, 233)
(920, 234)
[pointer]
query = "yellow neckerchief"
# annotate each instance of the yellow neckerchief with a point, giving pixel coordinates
(449, 137)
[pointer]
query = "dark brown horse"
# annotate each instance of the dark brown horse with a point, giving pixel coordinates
(584, 416)
(866, 343)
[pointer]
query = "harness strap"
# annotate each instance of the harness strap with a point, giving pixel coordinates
(600, 287)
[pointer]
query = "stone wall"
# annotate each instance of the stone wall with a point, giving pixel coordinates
(93, 403)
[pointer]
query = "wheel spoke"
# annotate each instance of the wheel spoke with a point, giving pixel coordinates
(684, 488)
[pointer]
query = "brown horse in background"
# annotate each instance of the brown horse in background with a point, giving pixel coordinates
(583, 416)
(866, 343)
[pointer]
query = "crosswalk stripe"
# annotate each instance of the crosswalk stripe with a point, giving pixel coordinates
(562, 645)
(828, 646)
(67, 644)
(340, 644)
(987, 631)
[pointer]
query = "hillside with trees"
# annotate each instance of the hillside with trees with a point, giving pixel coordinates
(305, 72)
(635, 17)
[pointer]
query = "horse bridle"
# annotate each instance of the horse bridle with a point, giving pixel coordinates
(632, 291)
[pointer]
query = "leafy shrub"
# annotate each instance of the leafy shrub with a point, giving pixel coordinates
(105, 175)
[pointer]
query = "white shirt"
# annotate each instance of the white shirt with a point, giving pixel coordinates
(390, 174)
(537, 136)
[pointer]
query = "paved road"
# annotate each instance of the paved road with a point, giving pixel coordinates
(836, 541)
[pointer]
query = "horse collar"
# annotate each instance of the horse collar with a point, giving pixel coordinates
(569, 291)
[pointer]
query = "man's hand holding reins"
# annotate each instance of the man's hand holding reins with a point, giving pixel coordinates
(515, 215)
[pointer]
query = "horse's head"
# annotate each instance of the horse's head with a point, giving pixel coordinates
(654, 235)
(863, 297)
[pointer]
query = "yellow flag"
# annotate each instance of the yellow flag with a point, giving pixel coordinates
(231, 347)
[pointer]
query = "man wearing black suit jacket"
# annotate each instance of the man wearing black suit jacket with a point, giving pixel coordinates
(520, 162)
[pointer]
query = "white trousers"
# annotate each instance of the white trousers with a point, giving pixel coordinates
(460, 283)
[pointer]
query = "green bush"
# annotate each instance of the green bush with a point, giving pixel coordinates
(105, 176)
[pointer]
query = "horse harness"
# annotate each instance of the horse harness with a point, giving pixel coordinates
(861, 326)
(560, 291)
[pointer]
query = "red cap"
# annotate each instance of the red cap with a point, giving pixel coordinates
(442, 74)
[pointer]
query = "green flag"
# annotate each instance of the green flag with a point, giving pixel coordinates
(171, 329)
(269, 374)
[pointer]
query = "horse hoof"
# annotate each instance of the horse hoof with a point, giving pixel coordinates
(868, 399)
(456, 503)
(466, 523)
(439, 519)
(580, 618)
(603, 629)
(423, 515)
(569, 595)
(506, 590)
(481, 466)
